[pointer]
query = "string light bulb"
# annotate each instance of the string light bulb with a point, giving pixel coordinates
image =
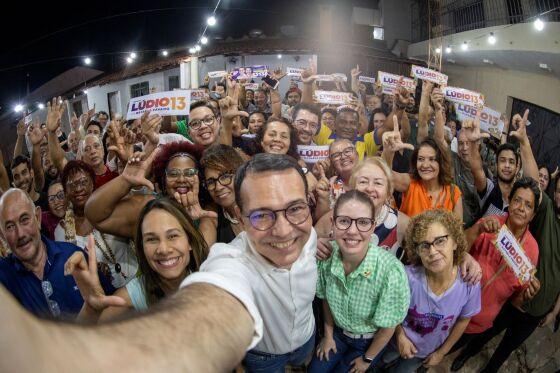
(204, 40)
(539, 24)
(464, 46)
(211, 21)
(491, 39)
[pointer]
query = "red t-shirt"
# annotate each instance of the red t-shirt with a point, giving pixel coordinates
(104, 178)
(505, 284)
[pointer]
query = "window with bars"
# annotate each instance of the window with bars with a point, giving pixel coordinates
(139, 89)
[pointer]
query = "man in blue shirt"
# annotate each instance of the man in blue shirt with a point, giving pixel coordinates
(34, 271)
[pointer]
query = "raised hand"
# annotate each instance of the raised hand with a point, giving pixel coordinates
(86, 277)
(91, 112)
(324, 164)
(191, 203)
(323, 186)
(229, 108)
(84, 119)
(35, 134)
(489, 225)
(278, 74)
(21, 127)
(136, 169)
(392, 140)
(74, 122)
(520, 125)
(55, 109)
(118, 143)
(472, 129)
(355, 72)
(308, 75)
(437, 99)
(150, 125)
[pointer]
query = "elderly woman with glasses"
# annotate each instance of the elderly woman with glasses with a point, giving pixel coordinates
(441, 303)
(364, 290)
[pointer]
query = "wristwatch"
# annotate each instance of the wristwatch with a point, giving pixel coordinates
(367, 359)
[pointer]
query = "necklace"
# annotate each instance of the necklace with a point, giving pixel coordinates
(107, 251)
(230, 218)
(431, 305)
(382, 215)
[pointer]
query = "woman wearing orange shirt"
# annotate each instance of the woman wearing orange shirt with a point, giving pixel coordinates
(430, 183)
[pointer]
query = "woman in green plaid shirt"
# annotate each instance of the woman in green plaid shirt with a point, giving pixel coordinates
(364, 290)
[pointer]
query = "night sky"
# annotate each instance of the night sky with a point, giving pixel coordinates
(52, 37)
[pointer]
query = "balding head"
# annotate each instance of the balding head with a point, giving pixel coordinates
(20, 222)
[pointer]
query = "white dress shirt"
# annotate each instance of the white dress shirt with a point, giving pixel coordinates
(279, 300)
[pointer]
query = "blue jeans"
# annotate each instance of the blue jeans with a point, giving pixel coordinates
(394, 363)
(256, 361)
(347, 349)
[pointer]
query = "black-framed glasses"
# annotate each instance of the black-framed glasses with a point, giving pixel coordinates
(176, 173)
(47, 288)
(196, 124)
(345, 222)
(438, 243)
(59, 196)
(224, 179)
(347, 152)
(264, 219)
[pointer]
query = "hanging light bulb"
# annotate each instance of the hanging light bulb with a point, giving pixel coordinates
(491, 39)
(448, 50)
(539, 24)
(204, 40)
(211, 21)
(464, 46)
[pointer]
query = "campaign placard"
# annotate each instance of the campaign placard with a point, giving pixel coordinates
(313, 153)
(198, 95)
(294, 71)
(514, 255)
(389, 82)
(430, 75)
(217, 74)
(463, 96)
(366, 79)
(490, 120)
(177, 102)
(251, 86)
(332, 97)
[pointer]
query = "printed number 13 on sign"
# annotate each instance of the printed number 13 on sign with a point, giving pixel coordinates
(163, 103)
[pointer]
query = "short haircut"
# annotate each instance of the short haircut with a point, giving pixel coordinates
(373, 161)
(72, 168)
(418, 228)
(221, 158)
(204, 103)
(93, 123)
(354, 195)
(347, 109)
(265, 162)
(102, 113)
(312, 108)
(527, 183)
(90, 135)
(508, 146)
(19, 160)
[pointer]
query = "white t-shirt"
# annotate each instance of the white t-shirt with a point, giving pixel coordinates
(279, 300)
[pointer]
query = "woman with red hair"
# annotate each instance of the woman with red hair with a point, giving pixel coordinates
(115, 207)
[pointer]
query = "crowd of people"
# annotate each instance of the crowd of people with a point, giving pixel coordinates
(209, 243)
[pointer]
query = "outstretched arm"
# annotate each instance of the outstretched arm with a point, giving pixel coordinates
(472, 131)
(530, 167)
(392, 143)
(192, 331)
(55, 109)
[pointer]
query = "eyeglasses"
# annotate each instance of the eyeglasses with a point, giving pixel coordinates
(59, 196)
(196, 124)
(82, 182)
(176, 173)
(344, 223)
(224, 179)
(47, 288)
(346, 152)
(265, 219)
(304, 123)
(438, 243)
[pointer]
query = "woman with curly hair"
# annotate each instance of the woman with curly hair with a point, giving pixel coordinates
(441, 303)
(115, 208)
(169, 248)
